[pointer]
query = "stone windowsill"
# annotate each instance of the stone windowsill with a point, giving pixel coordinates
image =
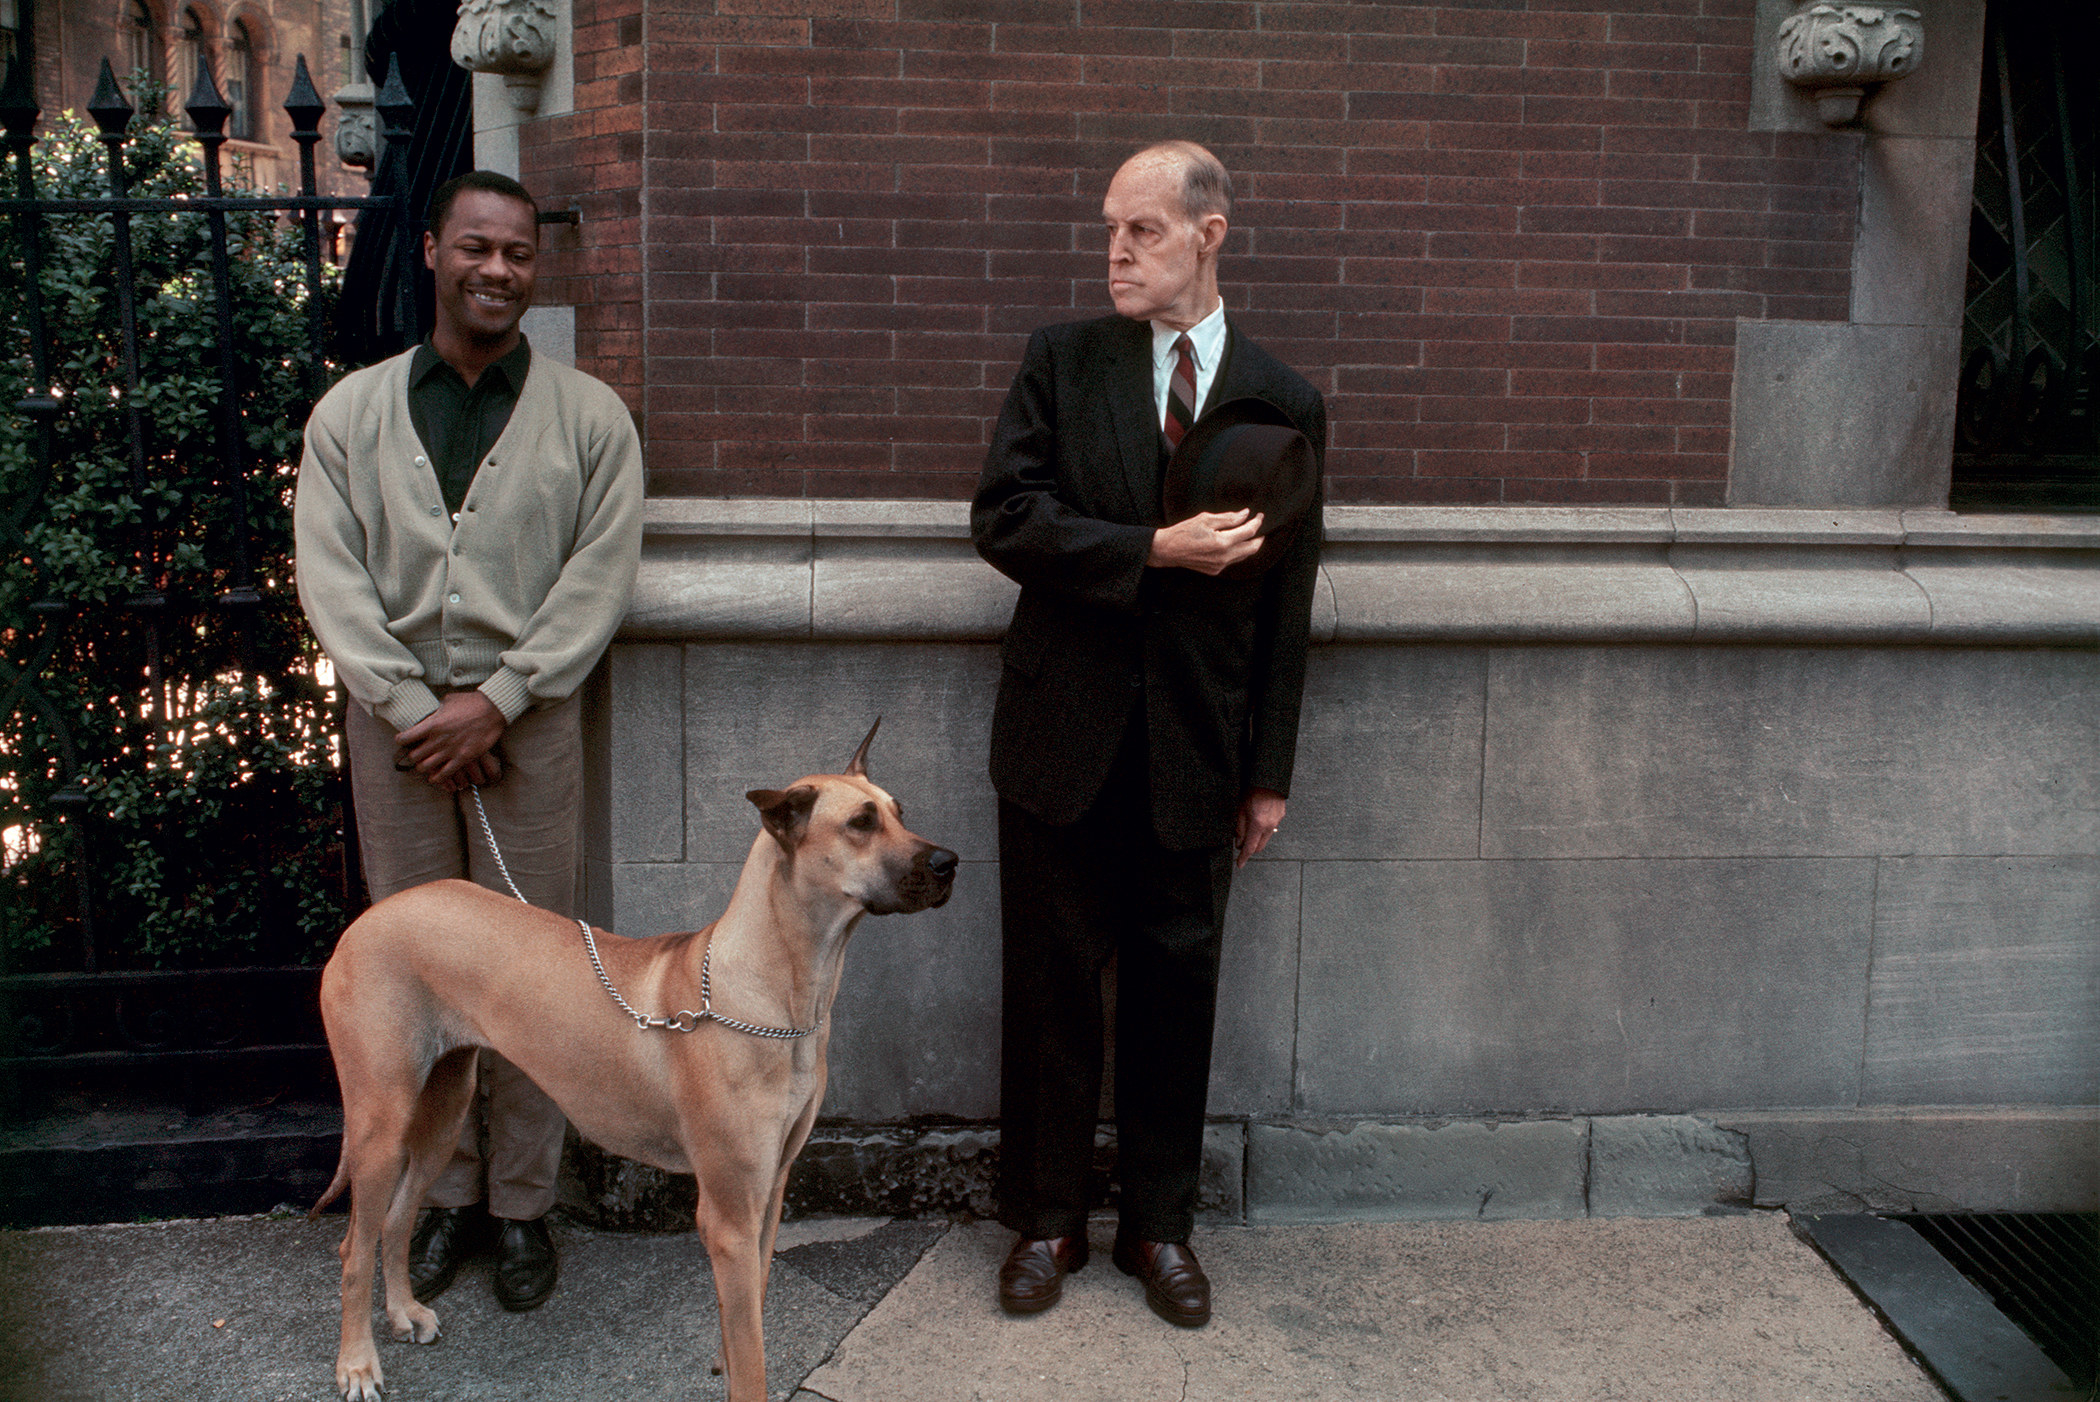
(756, 570)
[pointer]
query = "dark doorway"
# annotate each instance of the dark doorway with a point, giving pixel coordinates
(2026, 437)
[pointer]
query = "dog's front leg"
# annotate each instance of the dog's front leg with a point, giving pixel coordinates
(732, 1225)
(797, 1137)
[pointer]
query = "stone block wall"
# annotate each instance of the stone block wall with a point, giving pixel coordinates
(1798, 841)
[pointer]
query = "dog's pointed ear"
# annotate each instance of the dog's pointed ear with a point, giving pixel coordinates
(857, 767)
(785, 815)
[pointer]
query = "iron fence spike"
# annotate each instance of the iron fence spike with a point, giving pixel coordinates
(395, 107)
(112, 113)
(304, 103)
(206, 109)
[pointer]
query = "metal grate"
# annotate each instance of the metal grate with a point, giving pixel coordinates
(2041, 1269)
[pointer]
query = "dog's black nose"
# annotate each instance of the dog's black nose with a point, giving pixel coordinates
(941, 862)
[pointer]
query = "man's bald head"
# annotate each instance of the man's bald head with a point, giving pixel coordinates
(1206, 188)
(1166, 217)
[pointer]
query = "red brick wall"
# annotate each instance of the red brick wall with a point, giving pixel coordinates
(1509, 241)
(590, 159)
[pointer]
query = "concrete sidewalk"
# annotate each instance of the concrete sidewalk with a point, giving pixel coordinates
(1713, 1309)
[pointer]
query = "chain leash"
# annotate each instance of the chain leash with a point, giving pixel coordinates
(684, 1020)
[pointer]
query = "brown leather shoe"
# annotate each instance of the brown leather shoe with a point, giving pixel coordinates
(1175, 1286)
(1033, 1275)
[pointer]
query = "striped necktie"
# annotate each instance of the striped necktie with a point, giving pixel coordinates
(1181, 393)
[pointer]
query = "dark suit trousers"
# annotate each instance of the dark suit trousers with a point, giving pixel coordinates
(1071, 897)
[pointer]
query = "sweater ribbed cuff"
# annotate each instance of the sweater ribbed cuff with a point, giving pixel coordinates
(407, 703)
(506, 689)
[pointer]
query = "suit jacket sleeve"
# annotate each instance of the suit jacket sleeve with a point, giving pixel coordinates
(1285, 627)
(1021, 523)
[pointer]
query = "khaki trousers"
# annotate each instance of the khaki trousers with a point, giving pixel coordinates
(411, 833)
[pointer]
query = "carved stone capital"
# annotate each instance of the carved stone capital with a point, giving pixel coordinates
(356, 131)
(1834, 51)
(512, 37)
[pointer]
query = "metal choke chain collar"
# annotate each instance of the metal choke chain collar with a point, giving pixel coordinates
(685, 1020)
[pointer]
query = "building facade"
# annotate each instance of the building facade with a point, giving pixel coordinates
(1690, 806)
(251, 48)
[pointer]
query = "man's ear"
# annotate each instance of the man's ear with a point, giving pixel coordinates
(430, 250)
(786, 815)
(1213, 234)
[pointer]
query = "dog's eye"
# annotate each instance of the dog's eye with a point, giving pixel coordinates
(865, 820)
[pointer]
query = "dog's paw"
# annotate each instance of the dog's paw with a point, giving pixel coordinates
(418, 1323)
(358, 1380)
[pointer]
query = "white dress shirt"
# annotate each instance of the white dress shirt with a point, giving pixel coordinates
(1206, 346)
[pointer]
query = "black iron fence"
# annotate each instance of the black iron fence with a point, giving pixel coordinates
(186, 567)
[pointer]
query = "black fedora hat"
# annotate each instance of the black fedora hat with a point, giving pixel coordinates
(1245, 454)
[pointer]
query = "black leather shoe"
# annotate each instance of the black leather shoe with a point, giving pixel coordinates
(1175, 1286)
(445, 1238)
(525, 1264)
(1033, 1276)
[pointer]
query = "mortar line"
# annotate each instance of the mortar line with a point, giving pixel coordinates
(685, 763)
(1297, 1006)
(1866, 1002)
(1487, 677)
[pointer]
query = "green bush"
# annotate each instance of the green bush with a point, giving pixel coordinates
(211, 810)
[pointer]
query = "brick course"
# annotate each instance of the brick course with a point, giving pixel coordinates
(1509, 241)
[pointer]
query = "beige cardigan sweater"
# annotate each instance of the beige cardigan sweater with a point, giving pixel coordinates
(519, 595)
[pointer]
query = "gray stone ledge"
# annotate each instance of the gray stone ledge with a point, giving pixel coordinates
(1464, 1170)
(1894, 1158)
(898, 571)
(1923, 1158)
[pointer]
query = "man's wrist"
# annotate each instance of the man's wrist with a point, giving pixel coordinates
(507, 692)
(409, 702)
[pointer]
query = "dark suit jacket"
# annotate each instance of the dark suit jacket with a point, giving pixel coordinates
(1066, 508)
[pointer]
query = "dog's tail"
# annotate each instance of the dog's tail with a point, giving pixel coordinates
(335, 1186)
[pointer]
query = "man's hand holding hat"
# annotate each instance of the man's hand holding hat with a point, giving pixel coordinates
(1237, 487)
(1207, 542)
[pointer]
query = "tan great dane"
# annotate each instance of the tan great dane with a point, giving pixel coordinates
(426, 978)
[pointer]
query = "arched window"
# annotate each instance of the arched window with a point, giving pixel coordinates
(240, 87)
(189, 54)
(141, 40)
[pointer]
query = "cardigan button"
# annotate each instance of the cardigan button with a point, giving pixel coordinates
(422, 461)
(437, 510)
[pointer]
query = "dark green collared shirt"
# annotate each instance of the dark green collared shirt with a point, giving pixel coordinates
(459, 425)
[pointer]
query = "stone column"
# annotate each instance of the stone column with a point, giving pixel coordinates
(1861, 412)
(522, 55)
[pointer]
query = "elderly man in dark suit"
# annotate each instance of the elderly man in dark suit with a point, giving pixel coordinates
(1144, 733)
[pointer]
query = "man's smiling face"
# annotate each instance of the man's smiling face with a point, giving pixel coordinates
(485, 259)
